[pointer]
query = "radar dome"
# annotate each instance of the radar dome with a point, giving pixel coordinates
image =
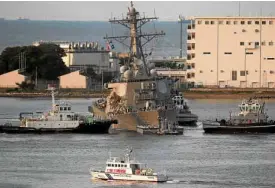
(128, 74)
(138, 62)
(151, 65)
(153, 72)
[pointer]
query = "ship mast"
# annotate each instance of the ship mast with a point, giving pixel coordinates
(134, 22)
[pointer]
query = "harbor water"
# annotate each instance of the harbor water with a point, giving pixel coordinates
(194, 159)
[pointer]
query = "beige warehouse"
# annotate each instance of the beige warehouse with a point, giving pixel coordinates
(9, 79)
(232, 51)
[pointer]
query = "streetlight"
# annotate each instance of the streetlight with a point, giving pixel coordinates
(245, 49)
(180, 20)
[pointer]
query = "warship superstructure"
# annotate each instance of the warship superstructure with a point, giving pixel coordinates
(138, 97)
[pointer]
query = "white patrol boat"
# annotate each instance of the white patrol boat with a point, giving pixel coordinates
(127, 169)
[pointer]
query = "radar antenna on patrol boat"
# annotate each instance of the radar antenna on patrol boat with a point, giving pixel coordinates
(134, 22)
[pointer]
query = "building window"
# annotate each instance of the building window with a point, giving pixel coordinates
(270, 22)
(270, 43)
(206, 53)
(271, 72)
(249, 22)
(269, 58)
(257, 30)
(206, 22)
(242, 22)
(249, 53)
(235, 22)
(257, 22)
(192, 74)
(263, 22)
(242, 73)
(199, 22)
(193, 55)
(220, 22)
(227, 53)
(193, 65)
(228, 22)
(222, 71)
(234, 75)
(257, 43)
(212, 22)
(201, 71)
(242, 43)
(243, 30)
(263, 43)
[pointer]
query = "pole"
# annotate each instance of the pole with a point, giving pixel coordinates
(36, 77)
(180, 37)
(261, 49)
(102, 80)
(239, 8)
(245, 67)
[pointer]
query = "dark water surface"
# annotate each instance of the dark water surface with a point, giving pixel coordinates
(195, 159)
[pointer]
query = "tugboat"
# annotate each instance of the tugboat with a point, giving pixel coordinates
(165, 127)
(184, 115)
(252, 118)
(126, 168)
(60, 119)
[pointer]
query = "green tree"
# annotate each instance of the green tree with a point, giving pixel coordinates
(46, 58)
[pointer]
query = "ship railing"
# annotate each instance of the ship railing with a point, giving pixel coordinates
(100, 171)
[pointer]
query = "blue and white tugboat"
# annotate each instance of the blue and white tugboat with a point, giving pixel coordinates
(252, 118)
(127, 169)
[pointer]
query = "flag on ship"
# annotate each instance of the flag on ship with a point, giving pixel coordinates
(110, 45)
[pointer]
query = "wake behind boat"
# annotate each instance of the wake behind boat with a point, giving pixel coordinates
(126, 168)
(252, 118)
(60, 119)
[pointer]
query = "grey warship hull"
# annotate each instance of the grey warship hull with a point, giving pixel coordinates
(130, 120)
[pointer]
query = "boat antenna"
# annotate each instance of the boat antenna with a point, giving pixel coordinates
(52, 89)
(134, 22)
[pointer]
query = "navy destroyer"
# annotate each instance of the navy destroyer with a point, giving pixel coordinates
(138, 97)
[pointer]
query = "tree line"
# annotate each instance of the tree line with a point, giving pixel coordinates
(46, 59)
